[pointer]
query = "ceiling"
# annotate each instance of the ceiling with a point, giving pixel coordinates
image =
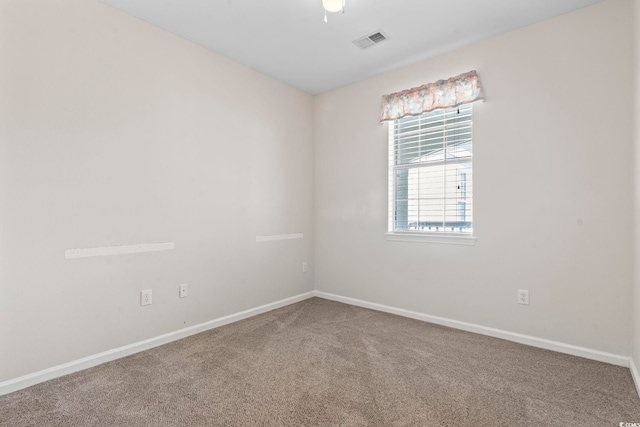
(288, 40)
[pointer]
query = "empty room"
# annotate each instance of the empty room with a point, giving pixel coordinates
(319, 213)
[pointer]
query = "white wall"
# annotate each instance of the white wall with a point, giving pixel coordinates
(114, 132)
(553, 193)
(636, 257)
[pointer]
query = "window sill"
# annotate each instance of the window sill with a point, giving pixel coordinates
(449, 238)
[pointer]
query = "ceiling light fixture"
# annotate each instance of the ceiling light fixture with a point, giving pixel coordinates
(333, 6)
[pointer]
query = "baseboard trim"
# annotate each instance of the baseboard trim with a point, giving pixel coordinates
(635, 375)
(587, 353)
(34, 378)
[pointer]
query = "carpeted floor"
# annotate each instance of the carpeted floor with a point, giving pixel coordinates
(322, 363)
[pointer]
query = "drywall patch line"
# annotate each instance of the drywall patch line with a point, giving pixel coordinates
(34, 378)
(261, 239)
(560, 347)
(117, 250)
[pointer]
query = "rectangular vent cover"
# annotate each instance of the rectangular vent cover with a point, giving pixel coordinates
(371, 40)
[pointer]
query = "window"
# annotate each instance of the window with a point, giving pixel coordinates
(431, 176)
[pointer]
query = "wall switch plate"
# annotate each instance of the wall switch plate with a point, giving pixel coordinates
(183, 290)
(146, 297)
(523, 296)
(305, 267)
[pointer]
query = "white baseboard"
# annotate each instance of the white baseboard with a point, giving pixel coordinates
(34, 378)
(28, 380)
(587, 353)
(635, 375)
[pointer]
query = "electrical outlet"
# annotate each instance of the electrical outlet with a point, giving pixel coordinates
(183, 290)
(146, 297)
(523, 296)
(305, 267)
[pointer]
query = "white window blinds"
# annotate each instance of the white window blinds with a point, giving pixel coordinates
(430, 172)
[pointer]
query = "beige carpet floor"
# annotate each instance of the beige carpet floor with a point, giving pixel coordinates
(322, 363)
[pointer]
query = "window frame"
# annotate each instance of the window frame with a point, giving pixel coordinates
(444, 237)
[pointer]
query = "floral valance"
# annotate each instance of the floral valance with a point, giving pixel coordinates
(452, 92)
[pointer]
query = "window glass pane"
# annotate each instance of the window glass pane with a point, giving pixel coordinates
(459, 190)
(401, 200)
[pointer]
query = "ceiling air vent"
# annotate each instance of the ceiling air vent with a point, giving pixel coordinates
(371, 40)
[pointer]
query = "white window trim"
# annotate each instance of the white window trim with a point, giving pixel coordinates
(422, 237)
(467, 239)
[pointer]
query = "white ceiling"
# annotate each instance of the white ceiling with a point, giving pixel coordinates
(288, 40)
